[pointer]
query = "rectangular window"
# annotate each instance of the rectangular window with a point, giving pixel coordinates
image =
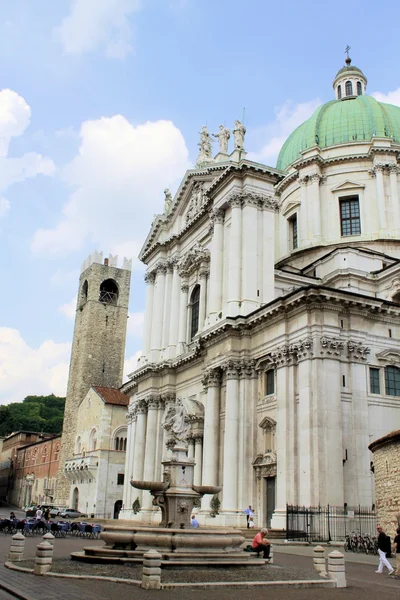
(392, 381)
(270, 382)
(374, 384)
(120, 478)
(350, 216)
(293, 232)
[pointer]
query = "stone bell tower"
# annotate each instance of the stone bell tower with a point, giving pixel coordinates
(98, 346)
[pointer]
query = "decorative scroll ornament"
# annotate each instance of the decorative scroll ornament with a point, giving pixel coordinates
(193, 259)
(357, 351)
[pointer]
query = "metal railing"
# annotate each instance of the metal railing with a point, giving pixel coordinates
(328, 523)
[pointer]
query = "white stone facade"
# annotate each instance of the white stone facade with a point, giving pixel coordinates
(261, 309)
(95, 471)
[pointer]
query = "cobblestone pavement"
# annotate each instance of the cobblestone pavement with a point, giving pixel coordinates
(361, 578)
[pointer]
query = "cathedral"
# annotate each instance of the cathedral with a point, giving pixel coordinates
(272, 316)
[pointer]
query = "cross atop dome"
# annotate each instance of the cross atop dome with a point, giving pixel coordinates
(350, 81)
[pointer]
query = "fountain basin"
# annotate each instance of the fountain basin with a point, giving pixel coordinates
(151, 486)
(207, 489)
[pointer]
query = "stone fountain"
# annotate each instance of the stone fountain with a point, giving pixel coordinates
(176, 496)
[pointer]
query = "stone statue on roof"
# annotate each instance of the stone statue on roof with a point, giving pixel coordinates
(238, 134)
(223, 138)
(168, 201)
(205, 144)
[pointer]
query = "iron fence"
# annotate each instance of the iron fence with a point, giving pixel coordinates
(328, 523)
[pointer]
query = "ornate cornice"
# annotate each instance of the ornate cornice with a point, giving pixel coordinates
(331, 346)
(357, 352)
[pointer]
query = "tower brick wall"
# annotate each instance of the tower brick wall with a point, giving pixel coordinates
(98, 348)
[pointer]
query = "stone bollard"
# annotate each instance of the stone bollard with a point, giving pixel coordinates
(16, 552)
(44, 558)
(336, 568)
(49, 537)
(151, 572)
(319, 561)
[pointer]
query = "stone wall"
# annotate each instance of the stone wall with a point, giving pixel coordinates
(98, 348)
(387, 480)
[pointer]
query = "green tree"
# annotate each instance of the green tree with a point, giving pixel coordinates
(34, 413)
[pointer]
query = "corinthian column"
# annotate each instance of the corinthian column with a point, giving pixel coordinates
(380, 195)
(304, 239)
(148, 313)
(150, 448)
(167, 307)
(249, 298)
(183, 310)
(212, 382)
(315, 203)
(198, 457)
(174, 316)
(158, 313)
(216, 267)
(235, 257)
(394, 192)
(231, 448)
(130, 448)
(203, 291)
(140, 441)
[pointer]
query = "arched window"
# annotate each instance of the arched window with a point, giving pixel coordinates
(93, 439)
(124, 445)
(84, 292)
(339, 92)
(116, 445)
(78, 445)
(108, 292)
(349, 88)
(194, 313)
(359, 88)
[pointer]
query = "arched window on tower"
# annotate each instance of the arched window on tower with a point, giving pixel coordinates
(339, 92)
(194, 312)
(84, 292)
(349, 88)
(93, 439)
(108, 292)
(78, 445)
(359, 88)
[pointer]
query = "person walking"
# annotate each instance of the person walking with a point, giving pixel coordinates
(383, 547)
(396, 550)
(261, 544)
(249, 512)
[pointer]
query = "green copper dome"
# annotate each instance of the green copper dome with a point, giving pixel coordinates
(340, 121)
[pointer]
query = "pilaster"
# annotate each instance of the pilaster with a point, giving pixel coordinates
(216, 266)
(231, 450)
(235, 257)
(212, 383)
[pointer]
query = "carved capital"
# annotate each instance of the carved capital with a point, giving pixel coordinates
(141, 407)
(184, 288)
(150, 278)
(394, 169)
(218, 216)
(212, 378)
(357, 352)
(152, 402)
(315, 178)
(331, 346)
(247, 369)
(232, 369)
(304, 349)
(303, 181)
(379, 167)
(285, 356)
(198, 439)
(161, 268)
(204, 273)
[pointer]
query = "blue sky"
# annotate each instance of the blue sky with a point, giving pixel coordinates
(100, 109)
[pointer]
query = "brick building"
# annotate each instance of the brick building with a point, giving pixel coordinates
(387, 480)
(34, 472)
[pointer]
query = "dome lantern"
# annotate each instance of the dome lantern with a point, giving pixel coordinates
(350, 81)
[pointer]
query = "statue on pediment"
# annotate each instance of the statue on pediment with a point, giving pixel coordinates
(238, 134)
(196, 200)
(205, 144)
(223, 138)
(167, 201)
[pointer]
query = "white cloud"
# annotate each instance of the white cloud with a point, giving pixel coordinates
(25, 370)
(135, 324)
(15, 116)
(118, 177)
(390, 98)
(94, 23)
(4, 207)
(131, 364)
(288, 117)
(69, 309)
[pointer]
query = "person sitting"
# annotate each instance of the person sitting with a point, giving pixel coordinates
(194, 522)
(39, 514)
(251, 523)
(12, 516)
(261, 544)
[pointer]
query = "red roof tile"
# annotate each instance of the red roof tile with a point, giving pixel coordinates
(111, 395)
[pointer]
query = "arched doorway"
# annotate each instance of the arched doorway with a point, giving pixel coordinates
(117, 508)
(75, 499)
